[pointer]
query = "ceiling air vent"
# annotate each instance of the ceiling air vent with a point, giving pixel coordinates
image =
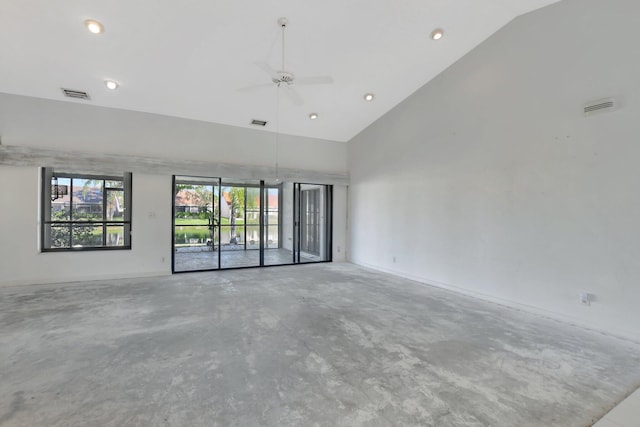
(259, 122)
(599, 106)
(78, 94)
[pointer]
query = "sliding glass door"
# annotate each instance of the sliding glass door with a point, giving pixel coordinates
(240, 208)
(195, 224)
(231, 223)
(313, 227)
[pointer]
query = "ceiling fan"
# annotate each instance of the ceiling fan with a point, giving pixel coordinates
(284, 78)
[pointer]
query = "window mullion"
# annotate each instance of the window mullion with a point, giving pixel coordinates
(105, 197)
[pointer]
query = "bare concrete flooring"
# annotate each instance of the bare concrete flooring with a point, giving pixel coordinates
(312, 345)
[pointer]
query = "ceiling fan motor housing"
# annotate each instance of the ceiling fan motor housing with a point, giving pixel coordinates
(283, 77)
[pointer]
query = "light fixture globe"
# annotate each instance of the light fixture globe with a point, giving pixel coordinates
(313, 116)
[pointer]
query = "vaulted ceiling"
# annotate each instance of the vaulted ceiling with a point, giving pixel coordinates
(197, 59)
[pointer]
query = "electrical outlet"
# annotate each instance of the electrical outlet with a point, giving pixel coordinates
(585, 298)
(338, 249)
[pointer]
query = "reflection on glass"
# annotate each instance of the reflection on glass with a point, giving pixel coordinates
(60, 204)
(115, 235)
(114, 183)
(115, 205)
(253, 237)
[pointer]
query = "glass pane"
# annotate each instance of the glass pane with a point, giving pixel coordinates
(253, 236)
(59, 236)
(87, 200)
(196, 248)
(275, 252)
(253, 206)
(60, 203)
(86, 235)
(225, 235)
(240, 219)
(115, 235)
(273, 202)
(271, 240)
(115, 205)
(233, 237)
(196, 232)
(193, 238)
(313, 226)
(114, 184)
(272, 218)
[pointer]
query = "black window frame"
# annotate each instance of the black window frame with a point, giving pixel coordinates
(48, 173)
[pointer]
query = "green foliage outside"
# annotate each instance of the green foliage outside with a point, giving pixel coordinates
(202, 226)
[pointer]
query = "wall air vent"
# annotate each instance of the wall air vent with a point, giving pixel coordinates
(77, 94)
(600, 106)
(259, 122)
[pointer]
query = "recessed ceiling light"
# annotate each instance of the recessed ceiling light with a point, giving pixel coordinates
(368, 97)
(437, 34)
(313, 116)
(111, 84)
(94, 26)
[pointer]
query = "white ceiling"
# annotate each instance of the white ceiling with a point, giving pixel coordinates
(189, 58)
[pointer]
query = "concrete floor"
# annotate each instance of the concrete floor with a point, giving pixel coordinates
(312, 345)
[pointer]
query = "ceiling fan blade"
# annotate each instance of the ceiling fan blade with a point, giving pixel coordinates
(317, 80)
(253, 88)
(266, 68)
(293, 95)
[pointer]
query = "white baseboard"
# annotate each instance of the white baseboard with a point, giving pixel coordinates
(73, 279)
(622, 334)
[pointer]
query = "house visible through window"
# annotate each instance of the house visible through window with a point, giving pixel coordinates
(82, 211)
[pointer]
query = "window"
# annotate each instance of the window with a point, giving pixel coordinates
(85, 212)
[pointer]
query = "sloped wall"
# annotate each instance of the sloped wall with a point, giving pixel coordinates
(489, 180)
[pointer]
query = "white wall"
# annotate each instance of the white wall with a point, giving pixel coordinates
(340, 205)
(34, 122)
(490, 181)
(45, 124)
(21, 262)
